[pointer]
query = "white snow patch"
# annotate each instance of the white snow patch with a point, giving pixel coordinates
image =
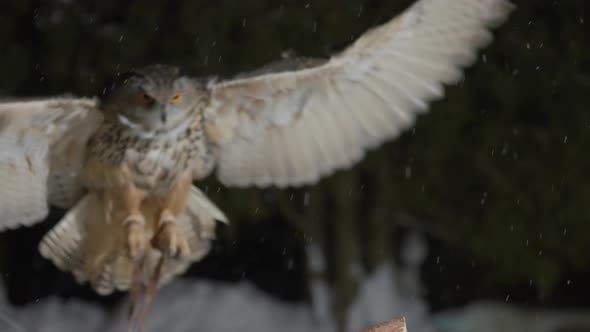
(188, 306)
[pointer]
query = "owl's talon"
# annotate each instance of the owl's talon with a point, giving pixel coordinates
(170, 241)
(135, 235)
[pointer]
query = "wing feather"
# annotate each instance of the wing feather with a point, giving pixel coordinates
(291, 123)
(23, 173)
(42, 144)
(309, 143)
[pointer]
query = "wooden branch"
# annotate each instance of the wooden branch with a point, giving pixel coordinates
(396, 325)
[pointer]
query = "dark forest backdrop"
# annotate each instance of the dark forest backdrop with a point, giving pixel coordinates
(496, 175)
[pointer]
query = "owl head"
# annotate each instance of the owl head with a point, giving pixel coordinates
(153, 99)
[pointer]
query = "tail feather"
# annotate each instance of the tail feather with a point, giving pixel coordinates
(64, 243)
(92, 248)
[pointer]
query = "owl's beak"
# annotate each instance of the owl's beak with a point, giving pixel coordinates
(163, 116)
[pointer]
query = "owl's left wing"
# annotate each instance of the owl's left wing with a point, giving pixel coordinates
(295, 121)
(42, 144)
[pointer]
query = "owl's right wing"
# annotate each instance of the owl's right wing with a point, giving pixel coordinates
(42, 144)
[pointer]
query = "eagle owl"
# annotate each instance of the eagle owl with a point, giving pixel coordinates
(123, 164)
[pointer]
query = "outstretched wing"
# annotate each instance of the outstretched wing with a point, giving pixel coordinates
(295, 121)
(42, 144)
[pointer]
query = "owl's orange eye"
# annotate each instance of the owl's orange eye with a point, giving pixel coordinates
(144, 99)
(176, 98)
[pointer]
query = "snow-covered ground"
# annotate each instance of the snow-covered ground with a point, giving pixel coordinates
(201, 305)
(208, 306)
(188, 305)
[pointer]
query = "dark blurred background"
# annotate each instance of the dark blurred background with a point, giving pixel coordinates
(495, 176)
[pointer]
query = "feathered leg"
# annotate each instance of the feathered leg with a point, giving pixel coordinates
(129, 201)
(168, 238)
